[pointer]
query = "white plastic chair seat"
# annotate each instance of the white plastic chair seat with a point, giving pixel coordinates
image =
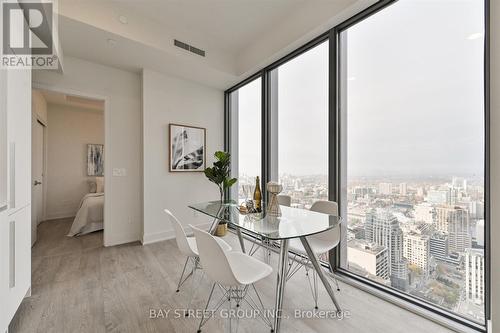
(194, 248)
(247, 269)
(318, 246)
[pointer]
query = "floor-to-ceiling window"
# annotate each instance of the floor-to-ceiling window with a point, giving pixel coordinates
(407, 147)
(299, 126)
(413, 146)
(245, 137)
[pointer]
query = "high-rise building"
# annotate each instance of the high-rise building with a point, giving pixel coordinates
(438, 246)
(474, 274)
(385, 188)
(403, 188)
(369, 256)
(382, 228)
(480, 233)
(416, 250)
(454, 221)
(459, 237)
(459, 183)
(443, 215)
(476, 209)
(438, 197)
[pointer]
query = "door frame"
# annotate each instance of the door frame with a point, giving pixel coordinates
(36, 118)
(107, 126)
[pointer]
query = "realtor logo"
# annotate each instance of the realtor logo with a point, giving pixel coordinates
(27, 36)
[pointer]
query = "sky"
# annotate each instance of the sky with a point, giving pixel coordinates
(414, 92)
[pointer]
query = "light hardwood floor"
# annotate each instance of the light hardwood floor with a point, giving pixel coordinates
(80, 286)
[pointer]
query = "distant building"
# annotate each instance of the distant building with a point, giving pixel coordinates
(385, 188)
(416, 250)
(438, 197)
(443, 215)
(459, 236)
(382, 228)
(476, 209)
(403, 188)
(371, 257)
(358, 232)
(438, 246)
(474, 274)
(362, 191)
(459, 183)
(480, 233)
(454, 221)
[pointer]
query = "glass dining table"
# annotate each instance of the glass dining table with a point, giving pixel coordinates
(293, 223)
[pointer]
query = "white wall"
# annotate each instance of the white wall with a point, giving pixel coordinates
(495, 163)
(39, 106)
(122, 92)
(167, 100)
(70, 130)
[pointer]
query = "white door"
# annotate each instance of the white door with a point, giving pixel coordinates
(37, 177)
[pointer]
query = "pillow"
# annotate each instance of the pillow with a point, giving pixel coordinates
(99, 181)
(92, 186)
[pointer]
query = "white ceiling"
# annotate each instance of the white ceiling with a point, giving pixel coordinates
(239, 36)
(226, 24)
(52, 97)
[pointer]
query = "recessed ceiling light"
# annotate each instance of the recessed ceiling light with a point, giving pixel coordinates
(111, 41)
(123, 19)
(475, 36)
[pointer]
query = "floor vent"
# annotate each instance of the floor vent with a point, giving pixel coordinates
(189, 48)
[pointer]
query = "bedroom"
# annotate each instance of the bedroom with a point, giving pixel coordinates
(68, 165)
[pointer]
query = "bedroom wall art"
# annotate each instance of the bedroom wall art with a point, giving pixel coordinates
(187, 148)
(95, 160)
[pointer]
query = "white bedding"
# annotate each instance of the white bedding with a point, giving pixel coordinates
(90, 216)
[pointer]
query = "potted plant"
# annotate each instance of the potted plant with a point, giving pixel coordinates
(220, 174)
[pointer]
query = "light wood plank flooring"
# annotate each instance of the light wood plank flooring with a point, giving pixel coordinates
(81, 286)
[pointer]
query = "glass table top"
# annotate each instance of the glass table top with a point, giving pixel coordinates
(293, 222)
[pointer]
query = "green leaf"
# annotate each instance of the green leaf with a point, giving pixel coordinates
(221, 170)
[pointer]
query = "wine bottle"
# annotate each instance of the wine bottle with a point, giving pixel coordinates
(257, 195)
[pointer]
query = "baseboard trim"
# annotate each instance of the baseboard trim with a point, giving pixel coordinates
(169, 234)
(157, 237)
(58, 217)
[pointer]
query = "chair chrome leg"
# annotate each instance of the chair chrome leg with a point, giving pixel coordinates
(313, 286)
(182, 275)
(206, 307)
(317, 267)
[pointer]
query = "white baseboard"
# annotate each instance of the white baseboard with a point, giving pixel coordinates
(157, 237)
(169, 234)
(120, 239)
(59, 217)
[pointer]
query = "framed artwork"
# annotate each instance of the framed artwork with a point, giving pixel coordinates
(187, 148)
(95, 160)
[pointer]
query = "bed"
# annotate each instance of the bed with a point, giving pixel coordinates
(90, 215)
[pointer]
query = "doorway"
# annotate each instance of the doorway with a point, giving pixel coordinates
(37, 171)
(67, 166)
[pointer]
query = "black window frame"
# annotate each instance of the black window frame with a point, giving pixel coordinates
(334, 121)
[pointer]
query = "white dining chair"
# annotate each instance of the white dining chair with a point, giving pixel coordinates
(284, 200)
(187, 246)
(233, 272)
(320, 244)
